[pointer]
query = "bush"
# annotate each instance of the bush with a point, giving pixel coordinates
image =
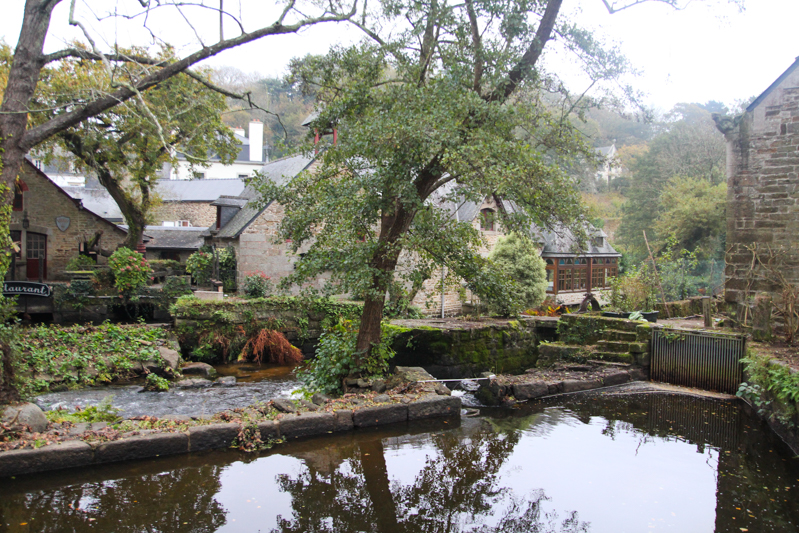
(633, 291)
(257, 285)
(79, 263)
(519, 260)
(131, 272)
(104, 278)
(335, 359)
(200, 265)
(176, 286)
(156, 383)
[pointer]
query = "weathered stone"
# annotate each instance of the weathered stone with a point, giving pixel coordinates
(308, 405)
(198, 369)
(175, 418)
(319, 398)
(226, 381)
(577, 385)
(434, 406)
(77, 429)
(364, 383)
(212, 437)
(616, 379)
(380, 415)
(192, 383)
(306, 424)
(351, 382)
(382, 398)
(412, 373)
(67, 454)
(555, 388)
(284, 406)
(551, 353)
(528, 391)
(442, 390)
(344, 420)
(638, 374)
(171, 357)
(140, 447)
(269, 430)
(28, 414)
(639, 347)
(379, 385)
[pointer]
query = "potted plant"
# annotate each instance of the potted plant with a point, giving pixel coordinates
(633, 292)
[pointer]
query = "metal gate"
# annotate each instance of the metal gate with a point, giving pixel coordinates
(703, 360)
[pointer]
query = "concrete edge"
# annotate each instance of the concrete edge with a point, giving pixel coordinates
(78, 453)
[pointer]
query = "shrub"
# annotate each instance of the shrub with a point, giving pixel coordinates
(519, 260)
(257, 285)
(335, 359)
(80, 262)
(633, 291)
(156, 383)
(131, 272)
(200, 265)
(176, 286)
(272, 344)
(104, 278)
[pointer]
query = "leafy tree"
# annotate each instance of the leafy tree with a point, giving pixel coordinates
(694, 215)
(689, 146)
(126, 146)
(18, 135)
(518, 259)
(450, 108)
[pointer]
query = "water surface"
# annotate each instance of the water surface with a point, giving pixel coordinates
(603, 464)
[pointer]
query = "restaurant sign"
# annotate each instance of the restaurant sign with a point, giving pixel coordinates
(25, 288)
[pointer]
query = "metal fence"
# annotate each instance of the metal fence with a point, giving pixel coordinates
(698, 359)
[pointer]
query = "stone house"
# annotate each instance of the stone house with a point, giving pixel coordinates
(51, 228)
(762, 192)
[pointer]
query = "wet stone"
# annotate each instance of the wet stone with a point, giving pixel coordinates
(141, 446)
(379, 415)
(226, 381)
(577, 385)
(212, 437)
(192, 383)
(434, 406)
(284, 406)
(53, 457)
(344, 420)
(306, 425)
(198, 369)
(616, 378)
(528, 391)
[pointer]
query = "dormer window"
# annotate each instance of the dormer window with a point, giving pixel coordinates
(487, 219)
(598, 241)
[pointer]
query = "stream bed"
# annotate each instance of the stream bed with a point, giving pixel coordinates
(593, 463)
(254, 383)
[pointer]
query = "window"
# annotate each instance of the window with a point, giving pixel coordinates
(598, 242)
(487, 217)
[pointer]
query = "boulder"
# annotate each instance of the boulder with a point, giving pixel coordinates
(379, 386)
(192, 383)
(319, 398)
(198, 369)
(28, 414)
(171, 357)
(226, 381)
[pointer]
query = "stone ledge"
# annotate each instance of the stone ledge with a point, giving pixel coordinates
(140, 447)
(380, 415)
(213, 437)
(307, 424)
(434, 406)
(54, 457)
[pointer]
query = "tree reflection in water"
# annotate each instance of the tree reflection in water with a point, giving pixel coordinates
(179, 500)
(458, 488)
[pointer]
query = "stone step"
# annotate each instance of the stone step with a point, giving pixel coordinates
(616, 335)
(550, 353)
(613, 357)
(613, 346)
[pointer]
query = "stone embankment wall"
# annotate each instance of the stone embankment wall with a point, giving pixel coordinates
(466, 348)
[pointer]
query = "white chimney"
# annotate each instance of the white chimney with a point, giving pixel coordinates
(239, 131)
(256, 140)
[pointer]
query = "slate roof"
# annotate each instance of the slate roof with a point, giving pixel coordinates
(174, 238)
(197, 190)
(96, 200)
(773, 86)
(229, 201)
(278, 171)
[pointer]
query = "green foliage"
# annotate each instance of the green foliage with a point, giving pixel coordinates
(257, 285)
(76, 294)
(80, 262)
(520, 262)
(336, 359)
(104, 278)
(131, 272)
(166, 264)
(102, 412)
(156, 383)
(633, 291)
(772, 388)
(200, 265)
(83, 355)
(176, 286)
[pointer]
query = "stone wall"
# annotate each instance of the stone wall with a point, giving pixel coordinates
(763, 191)
(199, 214)
(42, 203)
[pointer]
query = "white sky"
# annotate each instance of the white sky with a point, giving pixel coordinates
(695, 55)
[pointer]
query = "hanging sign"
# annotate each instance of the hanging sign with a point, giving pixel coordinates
(62, 223)
(26, 288)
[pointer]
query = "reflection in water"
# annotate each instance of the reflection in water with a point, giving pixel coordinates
(638, 463)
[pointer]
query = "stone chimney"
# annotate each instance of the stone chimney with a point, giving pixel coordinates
(256, 140)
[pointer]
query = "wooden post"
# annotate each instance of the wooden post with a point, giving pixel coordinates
(706, 311)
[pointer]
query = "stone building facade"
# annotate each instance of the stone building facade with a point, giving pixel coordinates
(762, 193)
(51, 227)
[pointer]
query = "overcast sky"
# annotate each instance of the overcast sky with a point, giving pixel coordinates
(701, 53)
